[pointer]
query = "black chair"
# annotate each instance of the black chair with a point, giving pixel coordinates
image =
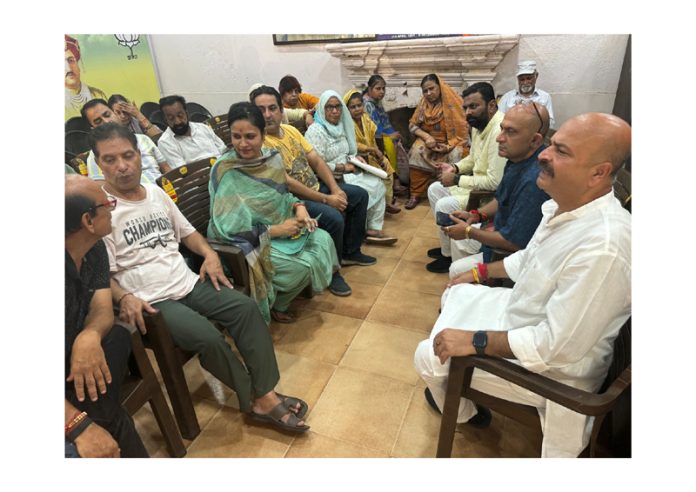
(147, 108)
(75, 143)
(157, 118)
(199, 117)
(193, 107)
(77, 123)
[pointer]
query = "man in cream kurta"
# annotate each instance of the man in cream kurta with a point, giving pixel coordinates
(482, 169)
(572, 291)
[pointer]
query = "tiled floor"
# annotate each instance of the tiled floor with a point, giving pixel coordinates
(351, 359)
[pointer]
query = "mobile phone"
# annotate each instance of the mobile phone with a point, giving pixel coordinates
(443, 220)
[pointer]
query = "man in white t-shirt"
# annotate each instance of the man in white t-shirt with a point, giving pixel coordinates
(572, 293)
(184, 141)
(148, 274)
(97, 112)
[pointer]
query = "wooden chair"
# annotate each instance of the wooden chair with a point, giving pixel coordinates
(610, 436)
(79, 163)
(141, 386)
(219, 125)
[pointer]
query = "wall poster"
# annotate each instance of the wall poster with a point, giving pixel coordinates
(99, 65)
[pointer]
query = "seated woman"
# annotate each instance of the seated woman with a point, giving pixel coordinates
(129, 115)
(441, 129)
(367, 145)
(393, 145)
(294, 99)
(251, 207)
(333, 137)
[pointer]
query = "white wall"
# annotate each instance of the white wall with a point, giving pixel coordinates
(581, 72)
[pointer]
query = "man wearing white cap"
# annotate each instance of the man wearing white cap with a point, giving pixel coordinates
(527, 91)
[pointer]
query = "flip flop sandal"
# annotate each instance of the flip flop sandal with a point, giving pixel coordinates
(290, 402)
(273, 418)
(282, 317)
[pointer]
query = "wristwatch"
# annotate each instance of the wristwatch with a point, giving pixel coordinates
(480, 341)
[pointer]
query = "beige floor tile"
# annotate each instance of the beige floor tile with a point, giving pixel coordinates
(384, 350)
(356, 305)
(412, 275)
(377, 274)
(418, 248)
(421, 210)
(419, 434)
(202, 384)
(406, 309)
(228, 436)
(319, 335)
(521, 441)
(361, 408)
(404, 231)
(428, 228)
(303, 377)
(149, 431)
(318, 446)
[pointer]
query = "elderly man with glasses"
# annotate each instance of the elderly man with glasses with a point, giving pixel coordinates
(515, 211)
(96, 350)
(482, 169)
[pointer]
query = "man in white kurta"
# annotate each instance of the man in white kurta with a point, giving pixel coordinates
(527, 91)
(572, 292)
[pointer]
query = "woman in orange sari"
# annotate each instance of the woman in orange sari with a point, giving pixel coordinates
(441, 130)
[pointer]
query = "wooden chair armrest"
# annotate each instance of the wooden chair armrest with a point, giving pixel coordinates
(580, 401)
(234, 259)
(477, 196)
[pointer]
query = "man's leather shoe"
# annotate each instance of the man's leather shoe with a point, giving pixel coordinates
(440, 265)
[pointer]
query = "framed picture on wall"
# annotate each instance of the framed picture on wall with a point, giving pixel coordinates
(321, 38)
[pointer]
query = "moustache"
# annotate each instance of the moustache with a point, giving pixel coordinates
(544, 165)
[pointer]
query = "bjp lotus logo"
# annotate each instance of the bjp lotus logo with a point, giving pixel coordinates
(128, 40)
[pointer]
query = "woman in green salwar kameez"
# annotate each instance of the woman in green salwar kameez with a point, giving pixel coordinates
(251, 207)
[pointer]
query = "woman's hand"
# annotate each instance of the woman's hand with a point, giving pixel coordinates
(302, 215)
(348, 168)
(291, 227)
(430, 142)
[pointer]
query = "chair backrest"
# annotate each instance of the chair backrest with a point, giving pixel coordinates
(622, 188)
(188, 187)
(219, 126)
(79, 163)
(193, 107)
(199, 117)
(157, 118)
(147, 108)
(75, 143)
(77, 123)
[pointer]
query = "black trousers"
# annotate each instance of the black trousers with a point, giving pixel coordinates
(107, 411)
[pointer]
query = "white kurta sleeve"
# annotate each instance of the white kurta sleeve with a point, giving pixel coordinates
(590, 293)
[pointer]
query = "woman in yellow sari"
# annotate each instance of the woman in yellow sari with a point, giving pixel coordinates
(441, 130)
(365, 131)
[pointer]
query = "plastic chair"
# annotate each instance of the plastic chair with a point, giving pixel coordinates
(147, 108)
(77, 123)
(192, 107)
(198, 117)
(75, 143)
(157, 118)
(219, 126)
(610, 436)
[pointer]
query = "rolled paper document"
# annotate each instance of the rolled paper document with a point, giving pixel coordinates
(367, 168)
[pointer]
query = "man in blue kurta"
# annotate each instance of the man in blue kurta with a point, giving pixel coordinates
(516, 209)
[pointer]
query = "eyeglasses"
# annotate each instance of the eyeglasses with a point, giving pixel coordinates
(527, 102)
(333, 107)
(110, 204)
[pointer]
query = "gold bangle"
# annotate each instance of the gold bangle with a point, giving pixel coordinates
(466, 231)
(474, 272)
